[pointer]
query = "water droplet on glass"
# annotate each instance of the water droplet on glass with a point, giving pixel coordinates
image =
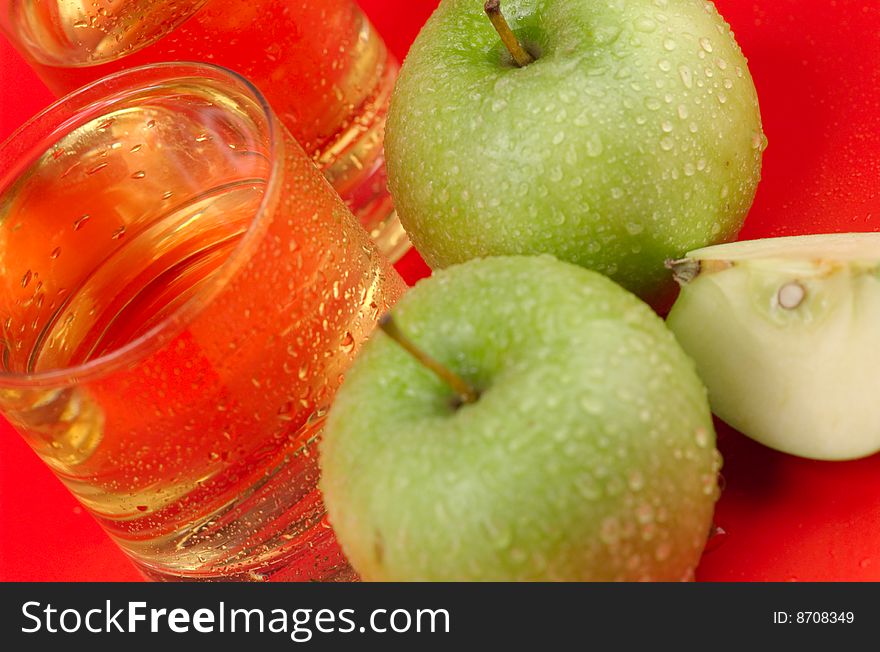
(26, 279)
(140, 174)
(79, 222)
(55, 253)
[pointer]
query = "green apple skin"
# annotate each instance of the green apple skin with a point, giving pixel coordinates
(636, 136)
(590, 454)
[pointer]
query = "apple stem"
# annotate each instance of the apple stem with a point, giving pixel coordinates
(685, 270)
(520, 55)
(466, 393)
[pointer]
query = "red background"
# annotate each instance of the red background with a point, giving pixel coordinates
(817, 68)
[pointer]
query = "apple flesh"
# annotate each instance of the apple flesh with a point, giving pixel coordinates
(634, 137)
(589, 454)
(785, 335)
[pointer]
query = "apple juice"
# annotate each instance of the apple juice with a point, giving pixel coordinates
(322, 66)
(178, 397)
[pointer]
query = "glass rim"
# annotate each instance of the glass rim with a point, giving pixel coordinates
(96, 98)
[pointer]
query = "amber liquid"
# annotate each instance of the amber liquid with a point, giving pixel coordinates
(323, 68)
(196, 452)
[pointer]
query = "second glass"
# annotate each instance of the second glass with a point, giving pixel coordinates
(324, 69)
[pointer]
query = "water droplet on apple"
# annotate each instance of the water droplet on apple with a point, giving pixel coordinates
(722, 97)
(636, 481)
(717, 536)
(617, 193)
(559, 137)
(687, 76)
(702, 437)
(664, 65)
(683, 111)
(634, 229)
(645, 24)
(609, 531)
(590, 404)
(669, 44)
(594, 145)
(644, 513)
(587, 488)
(666, 126)
(666, 144)
(759, 141)
(614, 486)
(689, 169)
(706, 44)
(663, 550)
(499, 105)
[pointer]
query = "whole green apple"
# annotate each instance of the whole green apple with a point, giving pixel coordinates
(588, 454)
(633, 137)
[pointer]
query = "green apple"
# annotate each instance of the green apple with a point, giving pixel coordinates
(786, 334)
(633, 137)
(588, 454)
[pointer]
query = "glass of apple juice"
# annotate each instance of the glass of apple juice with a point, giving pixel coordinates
(181, 292)
(321, 64)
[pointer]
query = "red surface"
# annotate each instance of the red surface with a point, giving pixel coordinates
(817, 67)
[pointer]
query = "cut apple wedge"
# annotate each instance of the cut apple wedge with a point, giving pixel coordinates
(785, 333)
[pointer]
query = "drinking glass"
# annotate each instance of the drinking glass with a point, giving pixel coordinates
(180, 293)
(324, 69)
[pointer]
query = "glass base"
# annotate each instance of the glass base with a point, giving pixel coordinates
(275, 529)
(319, 561)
